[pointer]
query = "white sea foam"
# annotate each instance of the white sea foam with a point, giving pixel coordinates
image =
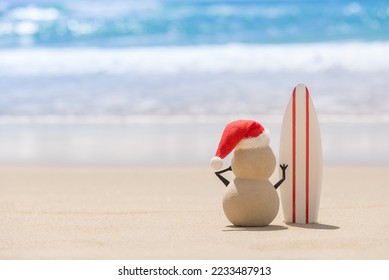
(352, 56)
(34, 14)
(348, 83)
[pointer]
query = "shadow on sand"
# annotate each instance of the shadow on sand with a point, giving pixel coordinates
(280, 227)
(267, 228)
(313, 226)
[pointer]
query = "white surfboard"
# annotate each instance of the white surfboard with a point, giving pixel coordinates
(300, 149)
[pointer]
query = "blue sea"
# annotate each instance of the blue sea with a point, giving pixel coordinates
(89, 82)
(120, 23)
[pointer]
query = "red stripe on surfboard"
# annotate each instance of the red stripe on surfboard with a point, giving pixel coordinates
(307, 156)
(294, 156)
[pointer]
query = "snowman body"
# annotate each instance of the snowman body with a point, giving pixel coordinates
(251, 199)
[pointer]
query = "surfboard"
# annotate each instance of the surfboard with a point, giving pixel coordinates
(301, 150)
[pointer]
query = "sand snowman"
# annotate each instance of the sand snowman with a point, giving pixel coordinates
(250, 200)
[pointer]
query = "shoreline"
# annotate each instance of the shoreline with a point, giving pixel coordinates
(90, 119)
(170, 144)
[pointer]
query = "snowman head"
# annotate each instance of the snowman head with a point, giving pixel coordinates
(254, 163)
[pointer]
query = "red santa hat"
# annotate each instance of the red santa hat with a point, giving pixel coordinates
(240, 134)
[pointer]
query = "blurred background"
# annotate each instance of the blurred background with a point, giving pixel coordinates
(140, 83)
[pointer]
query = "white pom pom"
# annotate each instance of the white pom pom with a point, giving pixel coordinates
(216, 163)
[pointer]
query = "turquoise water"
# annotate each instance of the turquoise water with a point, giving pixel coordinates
(114, 23)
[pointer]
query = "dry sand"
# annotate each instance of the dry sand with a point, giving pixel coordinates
(176, 213)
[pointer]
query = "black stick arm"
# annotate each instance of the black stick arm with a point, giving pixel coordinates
(283, 167)
(224, 180)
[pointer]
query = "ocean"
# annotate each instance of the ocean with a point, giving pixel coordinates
(119, 23)
(154, 82)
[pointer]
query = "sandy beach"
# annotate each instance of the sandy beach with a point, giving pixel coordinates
(176, 213)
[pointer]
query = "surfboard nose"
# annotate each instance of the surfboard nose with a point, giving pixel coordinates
(300, 87)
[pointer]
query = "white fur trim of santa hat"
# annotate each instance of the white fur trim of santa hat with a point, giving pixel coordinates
(255, 142)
